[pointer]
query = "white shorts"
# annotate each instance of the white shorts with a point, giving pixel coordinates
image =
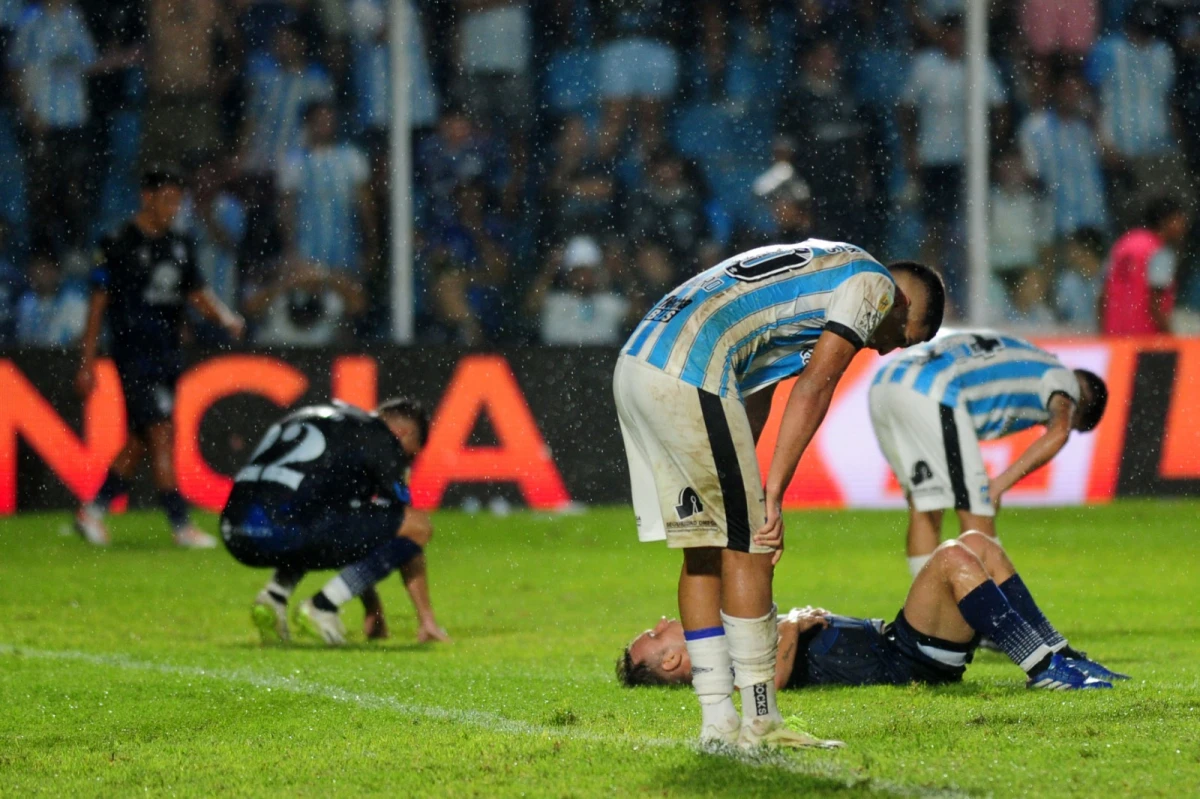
(932, 448)
(692, 463)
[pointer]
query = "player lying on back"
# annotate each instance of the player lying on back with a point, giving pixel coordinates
(693, 388)
(969, 588)
(932, 405)
(326, 488)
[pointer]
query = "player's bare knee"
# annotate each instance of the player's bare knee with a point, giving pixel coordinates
(955, 557)
(979, 542)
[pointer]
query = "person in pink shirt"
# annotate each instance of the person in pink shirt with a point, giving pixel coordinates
(1139, 284)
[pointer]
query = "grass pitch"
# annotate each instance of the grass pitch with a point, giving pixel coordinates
(136, 669)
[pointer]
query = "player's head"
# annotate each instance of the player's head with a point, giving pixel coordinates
(162, 194)
(1093, 399)
(320, 122)
(408, 420)
(1167, 217)
(658, 656)
(916, 314)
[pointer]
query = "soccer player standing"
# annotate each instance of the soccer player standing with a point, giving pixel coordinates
(144, 277)
(693, 389)
(931, 407)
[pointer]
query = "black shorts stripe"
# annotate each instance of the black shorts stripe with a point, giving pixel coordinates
(954, 461)
(729, 471)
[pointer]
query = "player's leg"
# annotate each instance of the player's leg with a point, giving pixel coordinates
(954, 597)
(269, 611)
(1002, 571)
(160, 438)
(89, 519)
(924, 535)
(705, 638)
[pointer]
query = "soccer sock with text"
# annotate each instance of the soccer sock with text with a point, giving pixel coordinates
(1019, 597)
(753, 645)
(712, 676)
(989, 613)
(356, 578)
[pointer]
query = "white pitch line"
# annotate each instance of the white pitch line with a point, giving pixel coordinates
(481, 719)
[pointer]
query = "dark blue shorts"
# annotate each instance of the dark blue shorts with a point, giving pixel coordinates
(326, 541)
(149, 392)
(854, 651)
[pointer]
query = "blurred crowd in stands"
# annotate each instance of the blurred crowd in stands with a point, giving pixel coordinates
(575, 159)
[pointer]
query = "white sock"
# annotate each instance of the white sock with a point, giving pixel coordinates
(712, 678)
(917, 562)
(96, 510)
(753, 644)
(337, 592)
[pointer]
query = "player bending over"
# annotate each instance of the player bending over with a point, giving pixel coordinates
(968, 588)
(326, 489)
(693, 389)
(931, 407)
(145, 275)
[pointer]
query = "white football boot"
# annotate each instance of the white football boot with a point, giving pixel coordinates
(270, 617)
(192, 537)
(775, 732)
(324, 625)
(89, 523)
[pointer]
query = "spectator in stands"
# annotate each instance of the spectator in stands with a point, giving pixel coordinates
(52, 54)
(573, 299)
(456, 154)
(1139, 286)
(495, 52)
(12, 285)
(581, 188)
(280, 90)
(181, 79)
(832, 147)
(327, 211)
(468, 264)
(1062, 27)
(216, 219)
(933, 122)
(789, 199)
(370, 72)
(306, 305)
(1078, 292)
(665, 217)
(51, 312)
(638, 68)
(1061, 151)
(1019, 235)
(1134, 73)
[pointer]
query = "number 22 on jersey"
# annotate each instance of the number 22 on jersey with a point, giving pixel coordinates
(283, 448)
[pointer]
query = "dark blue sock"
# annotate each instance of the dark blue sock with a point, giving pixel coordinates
(1022, 601)
(114, 485)
(174, 505)
(989, 613)
(379, 564)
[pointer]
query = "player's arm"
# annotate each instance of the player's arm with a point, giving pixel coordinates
(798, 622)
(1041, 451)
(85, 381)
(805, 411)
(758, 409)
(417, 527)
(209, 306)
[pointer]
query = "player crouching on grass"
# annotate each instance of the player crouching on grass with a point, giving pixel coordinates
(967, 589)
(326, 488)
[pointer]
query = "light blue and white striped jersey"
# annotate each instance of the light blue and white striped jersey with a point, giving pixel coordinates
(277, 100)
(1135, 85)
(1064, 154)
(753, 320)
(1004, 382)
(51, 51)
(370, 75)
(325, 184)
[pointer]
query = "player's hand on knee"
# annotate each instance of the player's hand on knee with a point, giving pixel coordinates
(771, 533)
(994, 494)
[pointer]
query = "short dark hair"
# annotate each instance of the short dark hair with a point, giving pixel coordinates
(1161, 208)
(410, 409)
(157, 176)
(311, 109)
(1089, 239)
(1092, 405)
(935, 288)
(634, 675)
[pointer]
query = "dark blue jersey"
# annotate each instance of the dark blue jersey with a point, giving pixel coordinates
(148, 282)
(319, 460)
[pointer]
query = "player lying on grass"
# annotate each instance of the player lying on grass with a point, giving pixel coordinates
(693, 388)
(326, 488)
(932, 405)
(969, 588)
